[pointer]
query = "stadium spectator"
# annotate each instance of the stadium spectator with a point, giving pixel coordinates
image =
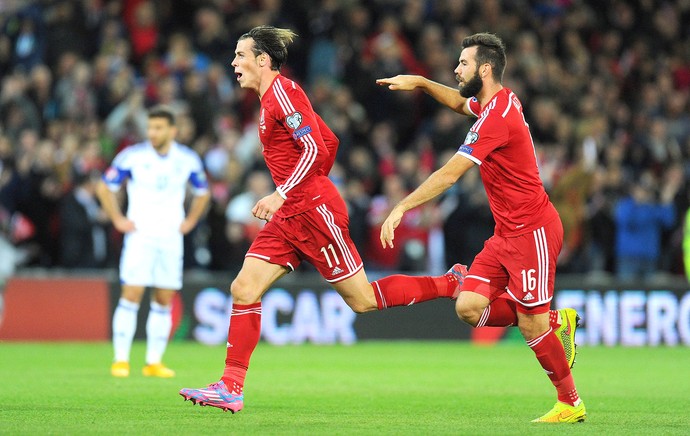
(66, 31)
(640, 220)
(211, 37)
(599, 226)
(83, 238)
(242, 227)
(127, 122)
(409, 252)
(143, 28)
(181, 57)
(75, 97)
(29, 46)
(467, 204)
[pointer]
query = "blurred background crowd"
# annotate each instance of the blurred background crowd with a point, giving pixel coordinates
(605, 87)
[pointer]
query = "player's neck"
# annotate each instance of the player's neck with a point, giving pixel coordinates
(487, 93)
(164, 149)
(266, 82)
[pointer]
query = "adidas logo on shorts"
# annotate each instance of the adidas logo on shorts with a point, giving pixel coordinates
(528, 297)
(337, 270)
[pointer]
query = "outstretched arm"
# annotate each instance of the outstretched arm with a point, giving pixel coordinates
(436, 184)
(445, 95)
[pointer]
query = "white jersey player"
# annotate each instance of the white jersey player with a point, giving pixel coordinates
(157, 174)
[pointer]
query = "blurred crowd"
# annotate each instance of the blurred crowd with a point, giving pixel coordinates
(605, 87)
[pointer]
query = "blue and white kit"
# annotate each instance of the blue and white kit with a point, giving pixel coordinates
(152, 255)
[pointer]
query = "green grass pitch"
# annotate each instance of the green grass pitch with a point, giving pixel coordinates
(420, 388)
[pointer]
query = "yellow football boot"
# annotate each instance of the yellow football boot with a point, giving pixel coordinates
(566, 413)
(157, 370)
(120, 369)
(570, 320)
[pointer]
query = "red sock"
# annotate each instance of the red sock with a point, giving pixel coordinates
(553, 319)
(500, 313)
(399, 290)
(243, 335)
(549, 352)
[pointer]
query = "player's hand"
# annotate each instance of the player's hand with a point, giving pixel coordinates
(389, 226)
(187, 225)
(402, 82)
(267, 206)
(124, 225)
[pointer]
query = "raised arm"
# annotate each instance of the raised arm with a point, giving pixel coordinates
(445, 95)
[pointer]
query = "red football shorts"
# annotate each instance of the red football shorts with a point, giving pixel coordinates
(522, 266)
(319, 236)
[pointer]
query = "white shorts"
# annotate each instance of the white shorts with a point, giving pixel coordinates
(152, 260)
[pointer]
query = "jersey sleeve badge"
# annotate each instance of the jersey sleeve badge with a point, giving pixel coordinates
(294, 120)
(111, 175)
(471, 137)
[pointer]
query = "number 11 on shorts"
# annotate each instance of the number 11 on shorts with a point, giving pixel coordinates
(328, 258)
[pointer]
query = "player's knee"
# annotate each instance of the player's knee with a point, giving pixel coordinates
(163, 297)
(529, 331)
(360, 306)
(357, 293)
(467, 312)
(243, 292)
(132, 294)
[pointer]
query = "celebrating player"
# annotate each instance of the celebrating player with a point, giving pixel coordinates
(520, 258)
(157, 173)
(306, 217)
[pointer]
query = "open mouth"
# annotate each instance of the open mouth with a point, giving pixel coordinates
(239, 75)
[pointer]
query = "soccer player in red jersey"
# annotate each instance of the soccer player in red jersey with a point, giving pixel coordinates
(306, 217)
(519, 260)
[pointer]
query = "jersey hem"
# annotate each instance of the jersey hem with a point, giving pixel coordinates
(527, 229)
(538, 303)
(268, 259)
(346, 276)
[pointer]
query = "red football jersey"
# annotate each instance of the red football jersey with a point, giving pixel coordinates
(501, 144)
(298, 147)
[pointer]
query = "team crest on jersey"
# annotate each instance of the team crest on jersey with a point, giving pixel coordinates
(471, 137)
(294, 120)
(262, 122)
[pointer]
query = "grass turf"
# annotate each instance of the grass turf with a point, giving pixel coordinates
(368, 388)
